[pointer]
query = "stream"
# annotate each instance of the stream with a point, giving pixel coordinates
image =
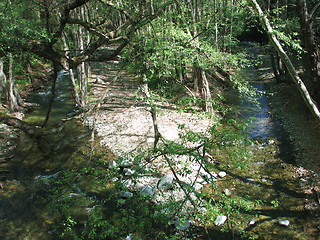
(268, 181)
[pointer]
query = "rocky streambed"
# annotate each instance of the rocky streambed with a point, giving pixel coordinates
(206, 180)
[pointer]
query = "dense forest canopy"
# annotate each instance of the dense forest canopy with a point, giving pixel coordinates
(160, 38)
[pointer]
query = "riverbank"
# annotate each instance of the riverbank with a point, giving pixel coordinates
(303, 131)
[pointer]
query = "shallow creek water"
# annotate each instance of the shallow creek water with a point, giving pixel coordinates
(268, 181)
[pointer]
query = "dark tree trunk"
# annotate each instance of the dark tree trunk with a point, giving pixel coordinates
(312, 56)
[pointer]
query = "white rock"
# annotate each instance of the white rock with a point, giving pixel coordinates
(128, 183)
(114, 179)
(284, 222)
(252, 222)
(222, 174)
(227, 192)
(221, 219)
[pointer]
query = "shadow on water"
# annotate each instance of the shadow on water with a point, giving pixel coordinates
(22, 199)
(270, 179)
(261, 124)
(62, 105)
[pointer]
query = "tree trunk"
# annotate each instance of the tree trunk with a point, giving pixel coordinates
(72, 78)
(9, 93)
(3, 81)
(14, 99)
(286, 60)
(153, 110)
(312, 56)
(202, 88)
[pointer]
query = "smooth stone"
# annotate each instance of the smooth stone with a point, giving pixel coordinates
(227, 192)
(283, 222)
(147, 191)
(222, 174)
(166, 182)
(221, 219)
(252, 222)
(126, 194)
(182, 226)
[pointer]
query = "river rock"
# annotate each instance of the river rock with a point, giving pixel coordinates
(221, 219)
(147, 191)
(227, 192)
(182, 226)
(126, 194)
(166, 182)
(283, 222)
(252, 222)
(222, 174)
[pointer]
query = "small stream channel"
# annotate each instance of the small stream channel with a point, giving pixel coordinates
(268, 181)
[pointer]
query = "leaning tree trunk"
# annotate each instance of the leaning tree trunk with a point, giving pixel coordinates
(286, 60)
